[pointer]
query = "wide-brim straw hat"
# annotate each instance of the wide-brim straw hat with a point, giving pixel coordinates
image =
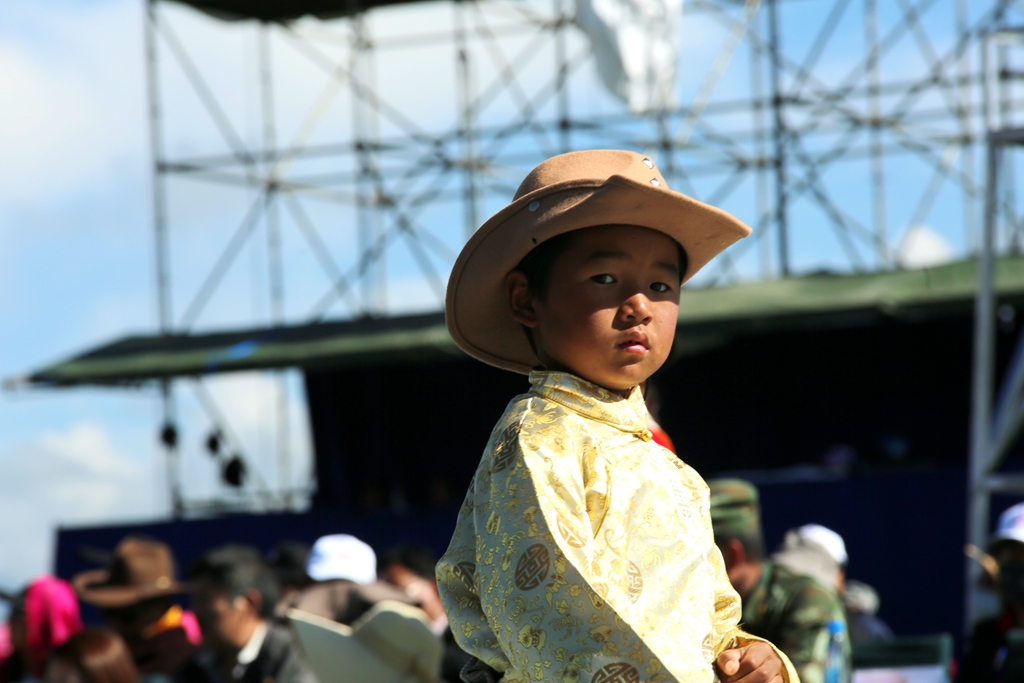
(569, 192)
(392, 643)
(140, 570)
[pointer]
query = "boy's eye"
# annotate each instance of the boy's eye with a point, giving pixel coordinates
(660, 287)
(603, 279)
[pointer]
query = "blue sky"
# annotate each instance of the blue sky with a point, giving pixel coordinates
(76, 238)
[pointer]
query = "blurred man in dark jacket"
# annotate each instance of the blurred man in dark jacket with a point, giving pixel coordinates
(233, 593)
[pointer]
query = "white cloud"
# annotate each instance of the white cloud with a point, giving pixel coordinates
(78, 475)
(68, 116)
(922, 247)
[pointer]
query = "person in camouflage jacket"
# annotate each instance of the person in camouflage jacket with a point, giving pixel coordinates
(788, 609)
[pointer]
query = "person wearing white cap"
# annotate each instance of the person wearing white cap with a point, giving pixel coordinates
(344, 570)
(985, 653)
(815, 551)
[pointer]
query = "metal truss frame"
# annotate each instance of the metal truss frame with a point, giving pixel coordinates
(995, 425)
(780, 139)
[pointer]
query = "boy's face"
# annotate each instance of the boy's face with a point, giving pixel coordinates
(609, 313)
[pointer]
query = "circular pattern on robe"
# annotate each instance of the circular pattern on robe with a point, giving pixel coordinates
(505, 451)
(569, 534)
(617, 672)
(634, 582)
(533, 567)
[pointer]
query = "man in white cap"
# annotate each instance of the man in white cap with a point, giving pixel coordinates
(344, 570)
(815, 551)
(985, 653)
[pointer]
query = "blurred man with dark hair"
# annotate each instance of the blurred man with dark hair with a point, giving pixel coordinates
(233, 594)
(411, 568)
(790, 610)
(288, 562)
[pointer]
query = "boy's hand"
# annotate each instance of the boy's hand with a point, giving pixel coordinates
(754, 663)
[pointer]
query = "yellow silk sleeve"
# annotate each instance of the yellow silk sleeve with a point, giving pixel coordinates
(518, 583)
(728, 610)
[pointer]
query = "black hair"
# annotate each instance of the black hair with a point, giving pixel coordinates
(237, 569)
(536, 265)
(419, 559)
(751, 540)
(288, 562)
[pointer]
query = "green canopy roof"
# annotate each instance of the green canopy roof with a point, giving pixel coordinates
(707, 318)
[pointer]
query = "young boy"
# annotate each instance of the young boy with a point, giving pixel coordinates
(584, 551)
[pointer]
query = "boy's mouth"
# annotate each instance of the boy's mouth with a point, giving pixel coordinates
(636, 343)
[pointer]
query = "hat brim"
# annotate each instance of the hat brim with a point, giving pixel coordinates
(476, 309)
(333, 653)
(93, 588)
(1001, 536)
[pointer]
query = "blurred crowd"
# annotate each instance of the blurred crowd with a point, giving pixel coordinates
(336, 611)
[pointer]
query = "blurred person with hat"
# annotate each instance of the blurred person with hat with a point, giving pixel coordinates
(986, 650)
(819, 552)
(42, 617)
(345, 584)
(136, 599)
(787, 608)
(412, 568)
(815, 551)
(392, 643)
(234, 593)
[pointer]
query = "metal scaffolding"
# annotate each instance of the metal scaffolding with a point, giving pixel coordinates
(996, 418)
(823, 143)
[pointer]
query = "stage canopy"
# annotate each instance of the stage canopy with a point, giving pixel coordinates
(283, 11)
(707, 318)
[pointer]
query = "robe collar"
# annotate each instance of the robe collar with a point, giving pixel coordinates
(628, 414)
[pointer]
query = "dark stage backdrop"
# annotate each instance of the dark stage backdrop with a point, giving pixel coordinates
(903, 529)
(397, 445)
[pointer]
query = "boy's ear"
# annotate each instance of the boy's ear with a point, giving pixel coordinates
(520, 300)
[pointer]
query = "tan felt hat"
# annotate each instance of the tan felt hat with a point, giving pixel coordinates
(392, 643)
(569, 192)
(140, 570)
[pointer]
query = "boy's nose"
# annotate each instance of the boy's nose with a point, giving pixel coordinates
(636, 309)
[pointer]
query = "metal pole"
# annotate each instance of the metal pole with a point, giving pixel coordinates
(275, 266)
(270, 182)
(467, 119)
(760, 152)
(364, 180)
(965, 96)
(778, 138)
(161, 245)
(562, 59)
(874, 105)
(981, 404)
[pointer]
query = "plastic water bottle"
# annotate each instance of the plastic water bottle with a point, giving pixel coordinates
(835, 660)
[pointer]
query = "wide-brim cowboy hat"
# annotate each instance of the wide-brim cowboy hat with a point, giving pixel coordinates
(392, 643)
(140, 570)
(569, 192)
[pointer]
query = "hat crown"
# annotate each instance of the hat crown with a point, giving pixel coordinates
(596, 166)
(400, 634)
(141, 563)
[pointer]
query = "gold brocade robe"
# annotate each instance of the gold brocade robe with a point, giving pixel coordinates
(584, 551)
